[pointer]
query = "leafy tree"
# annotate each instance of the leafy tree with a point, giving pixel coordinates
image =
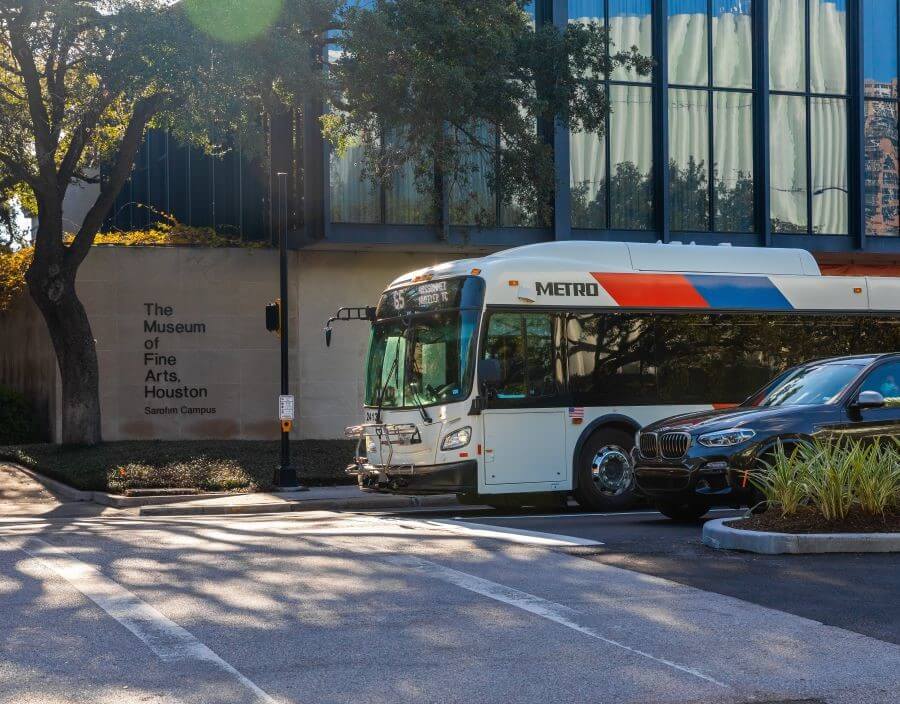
(81, 81)
(464, 83)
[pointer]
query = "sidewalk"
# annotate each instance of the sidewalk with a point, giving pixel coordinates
(329, 498)
(23, 493)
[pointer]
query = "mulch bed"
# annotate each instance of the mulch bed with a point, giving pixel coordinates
(807, 520)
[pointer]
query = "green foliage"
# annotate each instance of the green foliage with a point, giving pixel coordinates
(233, 21)
(452, 85)
(834, 479)
(17, 422)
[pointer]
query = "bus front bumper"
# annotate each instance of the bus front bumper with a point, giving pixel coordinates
(450, 478)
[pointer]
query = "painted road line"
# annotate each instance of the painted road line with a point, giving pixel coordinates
(513, 535)
(550, 610)
(169, 641)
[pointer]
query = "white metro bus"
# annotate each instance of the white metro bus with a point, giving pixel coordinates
(522, 377)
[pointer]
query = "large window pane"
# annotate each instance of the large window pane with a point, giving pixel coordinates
(688, 159)
(829, 165)
(787, 44)
(687, 29)
(354, 198)
(881, 199)
(732, 38)
(587, 168)
(631, 157)
(828, 46)
(630, 25)
(404, 202)
(880, 47)
(733, 150)
(787, 156)
(586, 11)
(472, 199)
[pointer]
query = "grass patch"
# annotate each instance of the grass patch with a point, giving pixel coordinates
(208, 465)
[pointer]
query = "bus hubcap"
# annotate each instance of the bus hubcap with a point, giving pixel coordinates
(611, 470)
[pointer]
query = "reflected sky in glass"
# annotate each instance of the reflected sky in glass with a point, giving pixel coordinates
(880, 41)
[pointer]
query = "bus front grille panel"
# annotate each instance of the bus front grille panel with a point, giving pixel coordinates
(648, 445)
(673, 446)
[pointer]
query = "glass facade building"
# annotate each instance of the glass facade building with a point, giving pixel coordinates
(763, 122)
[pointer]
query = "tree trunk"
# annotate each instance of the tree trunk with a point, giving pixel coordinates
(52, 287)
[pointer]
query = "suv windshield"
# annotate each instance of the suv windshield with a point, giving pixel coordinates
(421, 348)
(809, 385)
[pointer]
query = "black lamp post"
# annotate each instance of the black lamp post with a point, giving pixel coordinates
(285, 474)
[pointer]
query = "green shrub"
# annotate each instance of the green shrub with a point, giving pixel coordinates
(17, 423)
(834, 479)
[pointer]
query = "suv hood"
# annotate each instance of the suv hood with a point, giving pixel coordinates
(742, 416)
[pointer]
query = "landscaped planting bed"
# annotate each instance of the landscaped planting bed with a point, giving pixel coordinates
(205, 465)
(847, 487)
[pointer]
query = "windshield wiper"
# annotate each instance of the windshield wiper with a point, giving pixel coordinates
(384, 386)
(425, 416)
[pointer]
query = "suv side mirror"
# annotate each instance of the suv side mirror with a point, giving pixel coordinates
(869, 399)
(489, 373)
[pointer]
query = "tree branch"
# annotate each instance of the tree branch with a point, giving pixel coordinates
(80, 138)
(144, 110)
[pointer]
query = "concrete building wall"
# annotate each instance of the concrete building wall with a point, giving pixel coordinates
(27, 361)
(182, 344)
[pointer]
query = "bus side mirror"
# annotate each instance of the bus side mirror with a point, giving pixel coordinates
(489, 374)
(327, 337)
(868, 399)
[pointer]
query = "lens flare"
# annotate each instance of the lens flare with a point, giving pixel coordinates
(233, 21)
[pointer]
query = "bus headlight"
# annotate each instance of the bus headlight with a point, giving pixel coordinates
(457, 439)
(726, 438)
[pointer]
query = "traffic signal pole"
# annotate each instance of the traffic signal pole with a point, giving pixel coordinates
(286, 473)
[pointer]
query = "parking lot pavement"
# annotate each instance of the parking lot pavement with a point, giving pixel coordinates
(858, 592)
(332, 608)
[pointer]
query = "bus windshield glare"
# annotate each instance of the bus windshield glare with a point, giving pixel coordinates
(421, 348)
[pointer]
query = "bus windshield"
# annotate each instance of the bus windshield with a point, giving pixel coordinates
(421, 348)
(424, 361)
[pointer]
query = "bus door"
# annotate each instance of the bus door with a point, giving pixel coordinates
(524, 420)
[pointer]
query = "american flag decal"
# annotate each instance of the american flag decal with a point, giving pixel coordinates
(576, 414)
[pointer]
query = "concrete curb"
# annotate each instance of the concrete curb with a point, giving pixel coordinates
(717, 534)
(362, 503)
(116, 501)
(54, 487)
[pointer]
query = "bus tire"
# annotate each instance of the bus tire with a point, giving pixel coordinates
(681, 510)
(604, 471)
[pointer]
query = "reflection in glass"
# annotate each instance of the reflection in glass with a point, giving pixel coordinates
(733, 149)
(586, 11)
(880, 47)
(631, 157)
(828, 46)
(688, 159)
(787, 157)
(404, 202)
(828, 125)
(687, 29)
(732, 39)
(787, 44)
(587, 169)
(881, 199)
(630, 25)
(354, 198)
(471, 196)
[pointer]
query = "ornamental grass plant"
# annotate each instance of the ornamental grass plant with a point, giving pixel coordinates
(833, 479)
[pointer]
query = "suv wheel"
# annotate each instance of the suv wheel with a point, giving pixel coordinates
(604, 471)
(681, 510)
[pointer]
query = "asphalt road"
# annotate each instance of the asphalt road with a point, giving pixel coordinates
(858, 592)
(321, 608)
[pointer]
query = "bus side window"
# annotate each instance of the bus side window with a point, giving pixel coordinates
(523, 343)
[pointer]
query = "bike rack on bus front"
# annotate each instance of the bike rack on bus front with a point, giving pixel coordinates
(383, 434)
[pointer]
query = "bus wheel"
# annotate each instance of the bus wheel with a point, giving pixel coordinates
(604, 472)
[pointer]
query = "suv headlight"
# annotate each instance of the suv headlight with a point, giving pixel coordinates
(726, 438)
(457, 439)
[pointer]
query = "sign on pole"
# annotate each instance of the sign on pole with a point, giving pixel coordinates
(286, 407)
